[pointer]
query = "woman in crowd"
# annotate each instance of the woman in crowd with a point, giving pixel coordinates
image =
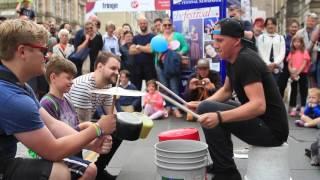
(171, 82)
(272, 47)
(63, 49)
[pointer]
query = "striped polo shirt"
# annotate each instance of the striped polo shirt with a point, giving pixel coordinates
(81, 96)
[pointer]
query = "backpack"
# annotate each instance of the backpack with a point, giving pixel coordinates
(55, 104)
(170, 62)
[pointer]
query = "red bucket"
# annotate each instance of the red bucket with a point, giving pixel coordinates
(183, 133)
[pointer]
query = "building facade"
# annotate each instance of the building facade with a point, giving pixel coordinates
(286, 10)
(71, 11)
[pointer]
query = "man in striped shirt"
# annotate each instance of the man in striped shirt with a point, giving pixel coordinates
(85, 102)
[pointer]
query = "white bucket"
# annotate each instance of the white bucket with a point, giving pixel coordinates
(181, 159)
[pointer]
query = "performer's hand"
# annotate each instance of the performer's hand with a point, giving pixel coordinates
(209, 120)
(107, 123)
(102, 145)
(193, 105)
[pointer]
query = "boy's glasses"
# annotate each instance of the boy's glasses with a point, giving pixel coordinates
(43, 49)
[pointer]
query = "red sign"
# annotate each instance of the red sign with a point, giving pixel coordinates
(162, 5)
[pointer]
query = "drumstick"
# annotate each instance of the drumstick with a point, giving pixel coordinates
(184, 108)
(115, 96)
(170, 92)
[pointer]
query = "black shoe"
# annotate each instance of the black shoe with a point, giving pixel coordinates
(104, 175)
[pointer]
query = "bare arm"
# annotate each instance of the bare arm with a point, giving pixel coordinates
(50, 148)
(253, 108)
(146, 48)
(107, 110)
(133, 50)
(223, 94)
(84, 44)
(303, 65)
(18, 7)
(60, 129)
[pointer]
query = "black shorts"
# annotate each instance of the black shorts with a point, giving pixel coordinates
(28, 169)
(39, 169)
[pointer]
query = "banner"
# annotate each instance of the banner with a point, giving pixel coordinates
(126, 5)
(196, 19)
(162, 5)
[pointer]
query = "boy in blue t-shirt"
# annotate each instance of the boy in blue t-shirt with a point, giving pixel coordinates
(22, 119)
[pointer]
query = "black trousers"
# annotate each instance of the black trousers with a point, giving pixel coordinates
(143, 71)
(253, 131)
(283, 79)
(303, 88)
(79, 67)
(104, 159)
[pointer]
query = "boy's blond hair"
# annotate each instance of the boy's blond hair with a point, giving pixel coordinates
(59, 65)
(315, 91)
(16, 32)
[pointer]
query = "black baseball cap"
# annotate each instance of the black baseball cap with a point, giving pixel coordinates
(229, 27)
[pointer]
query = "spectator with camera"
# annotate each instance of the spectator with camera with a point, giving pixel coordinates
(203, 83)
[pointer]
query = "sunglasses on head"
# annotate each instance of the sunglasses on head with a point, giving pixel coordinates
(43, 49)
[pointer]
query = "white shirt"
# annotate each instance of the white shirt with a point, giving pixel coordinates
(265, 42)
(111, 44)
(57, 50)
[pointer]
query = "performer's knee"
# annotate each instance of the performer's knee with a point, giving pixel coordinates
(204, 107)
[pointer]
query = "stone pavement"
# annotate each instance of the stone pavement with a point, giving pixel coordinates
(134, 160)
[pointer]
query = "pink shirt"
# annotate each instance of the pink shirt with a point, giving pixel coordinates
(156, 99)
(297, 57)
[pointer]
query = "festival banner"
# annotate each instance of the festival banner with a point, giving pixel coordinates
(196, 19)
(126, 6)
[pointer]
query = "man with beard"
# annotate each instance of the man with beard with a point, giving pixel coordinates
(143, 59)
(106, 68)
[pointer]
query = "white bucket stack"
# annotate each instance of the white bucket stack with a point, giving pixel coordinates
(181, 159)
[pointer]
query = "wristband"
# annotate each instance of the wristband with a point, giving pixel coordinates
(219, 117)
(99, 131)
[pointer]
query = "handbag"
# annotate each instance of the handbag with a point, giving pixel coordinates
(80, 55)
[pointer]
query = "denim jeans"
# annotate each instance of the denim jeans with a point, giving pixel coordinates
(172, 83)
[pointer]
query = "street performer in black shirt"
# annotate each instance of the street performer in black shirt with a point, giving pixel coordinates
(259, 120)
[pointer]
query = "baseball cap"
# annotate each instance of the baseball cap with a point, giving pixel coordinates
(204, 63)
(229, 27)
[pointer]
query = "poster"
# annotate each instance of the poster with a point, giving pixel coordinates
(195, 19)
